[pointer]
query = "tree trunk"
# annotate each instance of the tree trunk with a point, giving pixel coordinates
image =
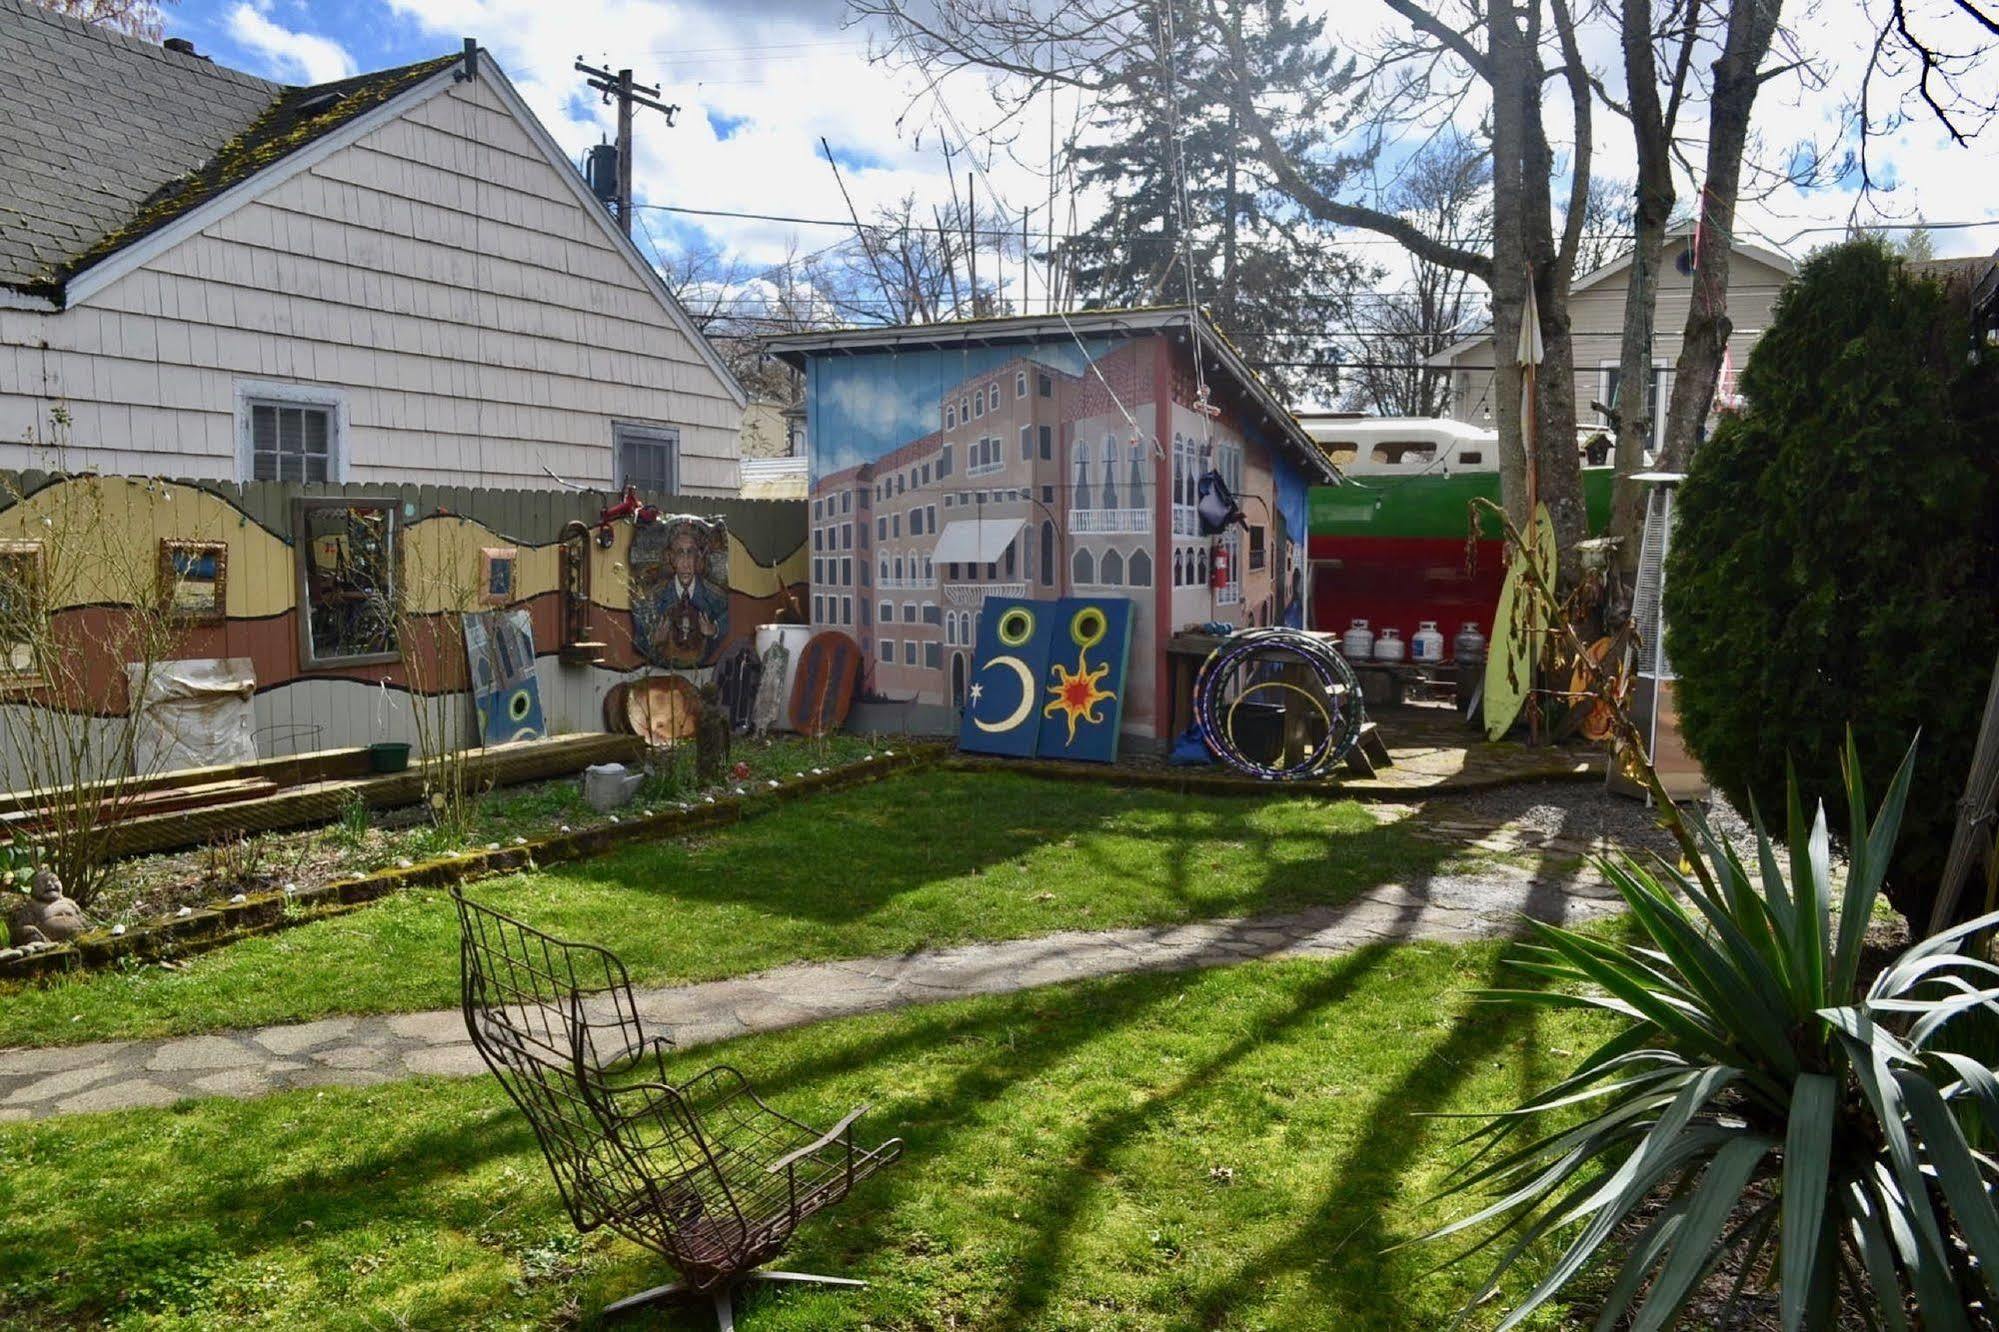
(1513, 73)
(1751, 25)
(1653, 135)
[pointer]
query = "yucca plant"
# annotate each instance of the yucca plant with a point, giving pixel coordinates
(1758, 1103)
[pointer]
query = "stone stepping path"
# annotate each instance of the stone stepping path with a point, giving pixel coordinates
(360, 1051)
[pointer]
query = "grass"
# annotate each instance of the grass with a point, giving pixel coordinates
(1233, 1149)
(926, 860)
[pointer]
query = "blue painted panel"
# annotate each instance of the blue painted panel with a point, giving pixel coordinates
(1082, 698)
(1002, 707)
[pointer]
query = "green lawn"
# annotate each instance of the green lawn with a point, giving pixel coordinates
(925, 860)
(1065, 1146)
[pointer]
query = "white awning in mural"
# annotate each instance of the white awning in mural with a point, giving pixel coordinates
(976, 540)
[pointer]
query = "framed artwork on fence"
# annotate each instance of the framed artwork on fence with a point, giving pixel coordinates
(347, 579)
(499, 573)
(23, 590)
(194, 580)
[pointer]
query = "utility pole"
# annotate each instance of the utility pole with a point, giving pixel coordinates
(621, 86)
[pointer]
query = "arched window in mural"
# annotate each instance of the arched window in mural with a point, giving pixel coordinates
(1139, 573)
(1200, 566)
(1179, 465)
(1009, 560)
(1111, 572)
(1082, 568)
(1110, 471)
(884, 566)
(1047, 554)
(1136, 485)
(1081, 499)
(898, 566)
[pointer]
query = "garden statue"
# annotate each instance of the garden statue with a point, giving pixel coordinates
(46, 916)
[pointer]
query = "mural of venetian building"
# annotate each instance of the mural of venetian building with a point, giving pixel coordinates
(1029, 461)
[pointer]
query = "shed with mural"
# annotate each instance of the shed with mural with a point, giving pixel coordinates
(1039, 458)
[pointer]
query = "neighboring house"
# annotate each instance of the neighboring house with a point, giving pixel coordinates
(1596, 316)
(773, 453)
(1972, 284)
(1041, 457)
(394, 278)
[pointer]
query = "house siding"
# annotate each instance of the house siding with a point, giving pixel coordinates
(437, 273)
(1596, 314)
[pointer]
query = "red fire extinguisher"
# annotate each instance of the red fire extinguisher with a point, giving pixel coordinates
(1218, 567)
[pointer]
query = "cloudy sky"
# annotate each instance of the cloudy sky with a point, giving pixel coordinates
(761, 81)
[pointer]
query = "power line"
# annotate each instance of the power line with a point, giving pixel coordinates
(1160, 237)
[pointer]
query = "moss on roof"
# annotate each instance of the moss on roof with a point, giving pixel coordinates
(297, 118)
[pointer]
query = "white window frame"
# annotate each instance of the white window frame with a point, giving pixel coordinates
(643, 428)
(1603, 369)
(270, 393)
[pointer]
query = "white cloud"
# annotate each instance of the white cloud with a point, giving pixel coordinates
(789, 73)
(304, 56)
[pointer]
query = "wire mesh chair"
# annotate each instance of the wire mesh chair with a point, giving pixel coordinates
(702, 1172)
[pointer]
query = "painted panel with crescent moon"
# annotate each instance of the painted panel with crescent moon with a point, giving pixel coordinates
(1003, 699)
(1083, 690)
(499, 652)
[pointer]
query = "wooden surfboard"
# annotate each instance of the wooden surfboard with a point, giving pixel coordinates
(822, 688)
(1509, 660)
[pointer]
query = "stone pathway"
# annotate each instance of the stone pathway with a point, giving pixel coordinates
(359, 1051)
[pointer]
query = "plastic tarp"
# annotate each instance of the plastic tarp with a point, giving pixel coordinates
(194, 714)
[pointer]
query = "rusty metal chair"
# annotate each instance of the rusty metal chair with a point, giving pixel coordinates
(701, 1172)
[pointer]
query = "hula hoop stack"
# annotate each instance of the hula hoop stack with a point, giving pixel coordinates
(1216, 698)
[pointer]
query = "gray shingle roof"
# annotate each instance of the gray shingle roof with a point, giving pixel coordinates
(93, 122)
(105, 137)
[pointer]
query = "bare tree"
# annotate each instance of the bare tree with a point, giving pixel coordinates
(901, 269)
(140, 18)
(1446, 189)
(1928, 58)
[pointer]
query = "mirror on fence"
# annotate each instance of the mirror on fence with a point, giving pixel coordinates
(347, 580)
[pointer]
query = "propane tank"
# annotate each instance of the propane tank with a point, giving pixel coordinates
(1357, 643)
(1389, 646)
(1427, 644)
(1469, 645)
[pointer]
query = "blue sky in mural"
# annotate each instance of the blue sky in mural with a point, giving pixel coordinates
(868, 405)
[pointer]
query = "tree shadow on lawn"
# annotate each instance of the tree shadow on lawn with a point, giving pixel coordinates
(1370, 1170)
(867, 857)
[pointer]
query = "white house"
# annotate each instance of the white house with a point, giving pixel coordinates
(396, 277)
(1596, 316)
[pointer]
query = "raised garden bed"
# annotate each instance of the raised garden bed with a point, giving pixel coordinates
(218, 923)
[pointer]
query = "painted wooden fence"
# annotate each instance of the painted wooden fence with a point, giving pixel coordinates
(100, 543)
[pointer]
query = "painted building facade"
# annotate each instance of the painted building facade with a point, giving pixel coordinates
(1041, 458)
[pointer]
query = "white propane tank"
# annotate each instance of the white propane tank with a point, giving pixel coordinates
(1389, 646)
(1427, 644)
(1469, 645)
(1357, 643)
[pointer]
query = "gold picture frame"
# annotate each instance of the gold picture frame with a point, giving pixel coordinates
(194, 580)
